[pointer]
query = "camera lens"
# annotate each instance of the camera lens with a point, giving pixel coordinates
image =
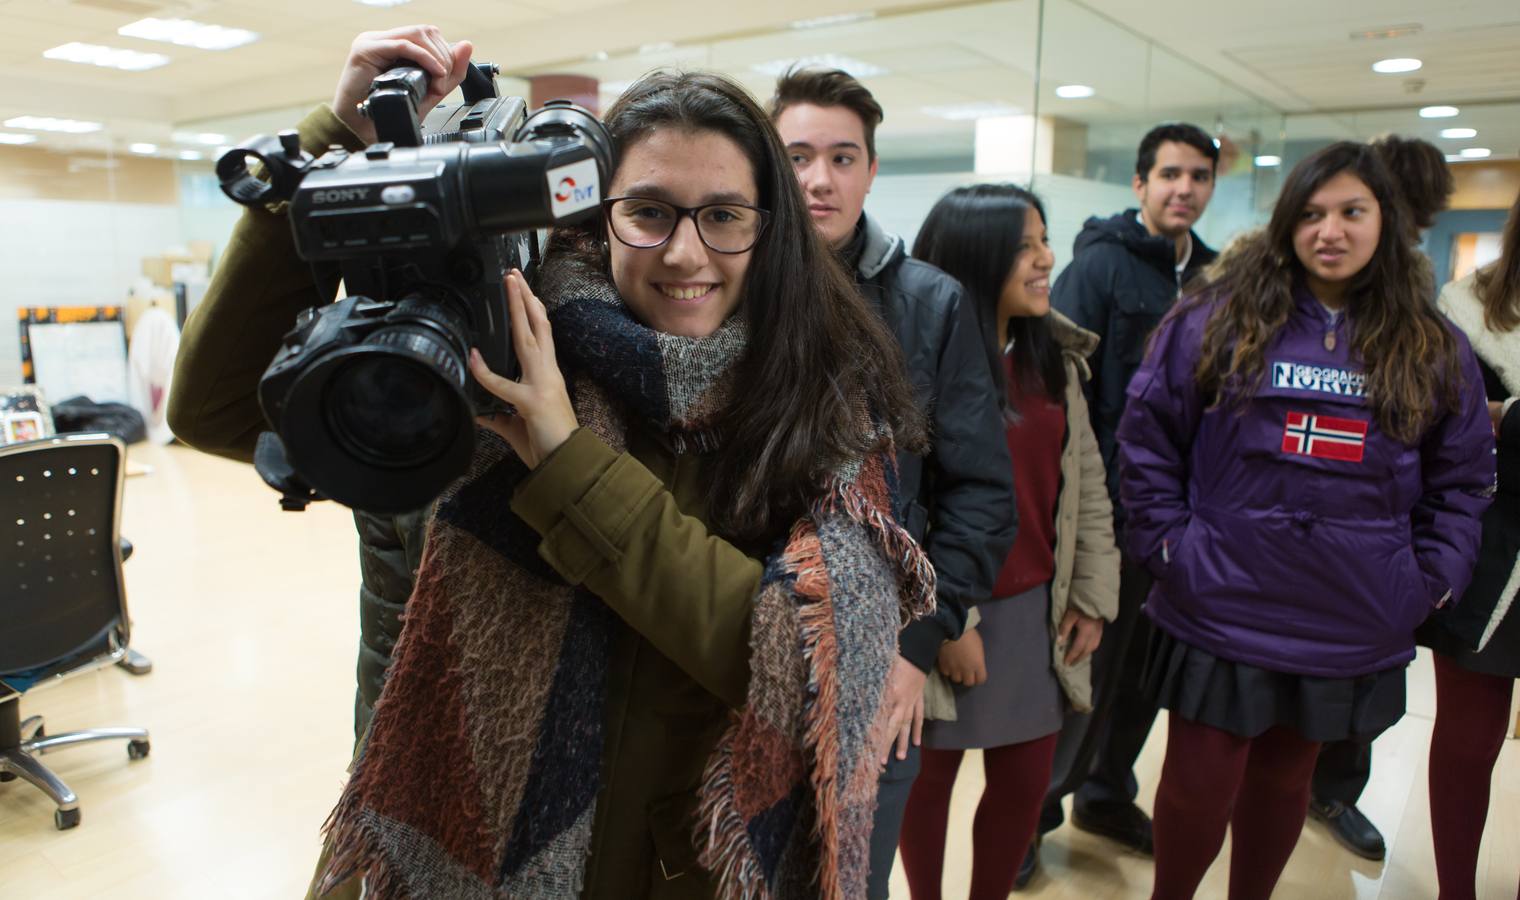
(391, 411)
(385, 423)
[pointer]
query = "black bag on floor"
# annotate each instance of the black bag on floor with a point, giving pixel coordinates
(83, 414)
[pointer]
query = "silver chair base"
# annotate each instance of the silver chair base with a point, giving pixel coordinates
(135, 662)
(22, 762)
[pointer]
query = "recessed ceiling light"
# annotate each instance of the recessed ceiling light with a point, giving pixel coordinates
(962, 112)
(840, 19)
(1475, 152)
(188, 34)
(108, 57)
(208, 138)
(144, 149)
(1396, 65)
(7, 137)
(1268, 161)
(1438, 112)
(1459, 133)
(856, 67)
(382, 2)
(189, 154)
(48, 123)
(1074, 91)
(1454, 157)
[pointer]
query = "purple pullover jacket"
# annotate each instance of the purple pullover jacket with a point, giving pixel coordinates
(1295, 535)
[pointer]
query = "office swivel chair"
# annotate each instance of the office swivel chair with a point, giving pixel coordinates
(62, 605)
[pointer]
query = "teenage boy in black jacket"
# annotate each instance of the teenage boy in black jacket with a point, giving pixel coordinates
(1126, 272)
(959, 499)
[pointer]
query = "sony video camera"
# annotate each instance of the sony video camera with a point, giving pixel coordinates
(370, 398)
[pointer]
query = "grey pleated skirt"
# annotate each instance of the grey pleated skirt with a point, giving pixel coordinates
(1021, 699)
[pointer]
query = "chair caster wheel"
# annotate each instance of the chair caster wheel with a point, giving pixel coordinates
(137, 749)
(66, 818)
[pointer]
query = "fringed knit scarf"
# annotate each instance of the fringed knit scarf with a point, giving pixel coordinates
(479, 775)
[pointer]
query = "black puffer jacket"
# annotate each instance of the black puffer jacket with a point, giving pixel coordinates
(1121, 281)
(390, 550)
(958, 501)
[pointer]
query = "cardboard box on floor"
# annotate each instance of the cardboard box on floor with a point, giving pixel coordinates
(188, 263)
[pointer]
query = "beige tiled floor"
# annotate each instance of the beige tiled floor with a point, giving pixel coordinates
(249, 615)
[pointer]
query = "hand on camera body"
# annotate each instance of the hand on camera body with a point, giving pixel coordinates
(374, 52)
(545, 418)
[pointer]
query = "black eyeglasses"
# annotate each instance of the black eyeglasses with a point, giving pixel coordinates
(723, 227)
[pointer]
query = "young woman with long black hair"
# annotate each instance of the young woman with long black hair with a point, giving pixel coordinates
(1305, 456)
(652, 625)
(1477, 645)
(1026, 656)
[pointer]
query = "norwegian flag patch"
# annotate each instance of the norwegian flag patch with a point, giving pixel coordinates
(1325, 437)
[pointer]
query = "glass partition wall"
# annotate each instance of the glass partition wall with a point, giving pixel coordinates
(1045, 93)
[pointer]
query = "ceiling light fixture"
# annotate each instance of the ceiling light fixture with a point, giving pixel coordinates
(210, 139)
(1390, 31)
(107, 57)
(48, 123)
(187, 33)
(1267, 161)
(965, 112)
(840, 19)
(144, 149)
(1459, 134)
(189, 155)
(1438, 112)
(1475, 152)
(1074, 92)
(856, 67)
(7, 137)
(1396, 66)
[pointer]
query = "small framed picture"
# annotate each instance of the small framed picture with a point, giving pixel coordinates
(21, 426)
(24, 415)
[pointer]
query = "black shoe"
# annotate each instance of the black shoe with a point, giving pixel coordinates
(1352, 829)
(1123, 822)
(1030, 865)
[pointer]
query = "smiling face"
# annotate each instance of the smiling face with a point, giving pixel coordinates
(1176, 190)
(682, 287)
(827, 147)
(1336, 235)
(1027, 290)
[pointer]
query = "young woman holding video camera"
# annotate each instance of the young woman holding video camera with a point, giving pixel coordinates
(652, 625)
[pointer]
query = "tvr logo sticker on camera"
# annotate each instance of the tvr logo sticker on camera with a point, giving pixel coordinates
(573, 188)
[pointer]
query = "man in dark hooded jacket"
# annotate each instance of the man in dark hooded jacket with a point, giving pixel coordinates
(1126, 272)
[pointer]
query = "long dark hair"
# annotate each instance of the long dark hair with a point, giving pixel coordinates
(1497, 286)
(815, 349)
(1420, 171)
(1404, 345)
(974, 233)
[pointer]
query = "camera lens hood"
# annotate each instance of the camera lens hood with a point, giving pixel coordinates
(380, 426)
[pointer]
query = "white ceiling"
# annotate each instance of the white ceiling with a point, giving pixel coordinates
(1301, 59)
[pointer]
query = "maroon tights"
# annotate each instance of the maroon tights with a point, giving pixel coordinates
(1006, 818)
(1472, 715)
(1258, 787)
